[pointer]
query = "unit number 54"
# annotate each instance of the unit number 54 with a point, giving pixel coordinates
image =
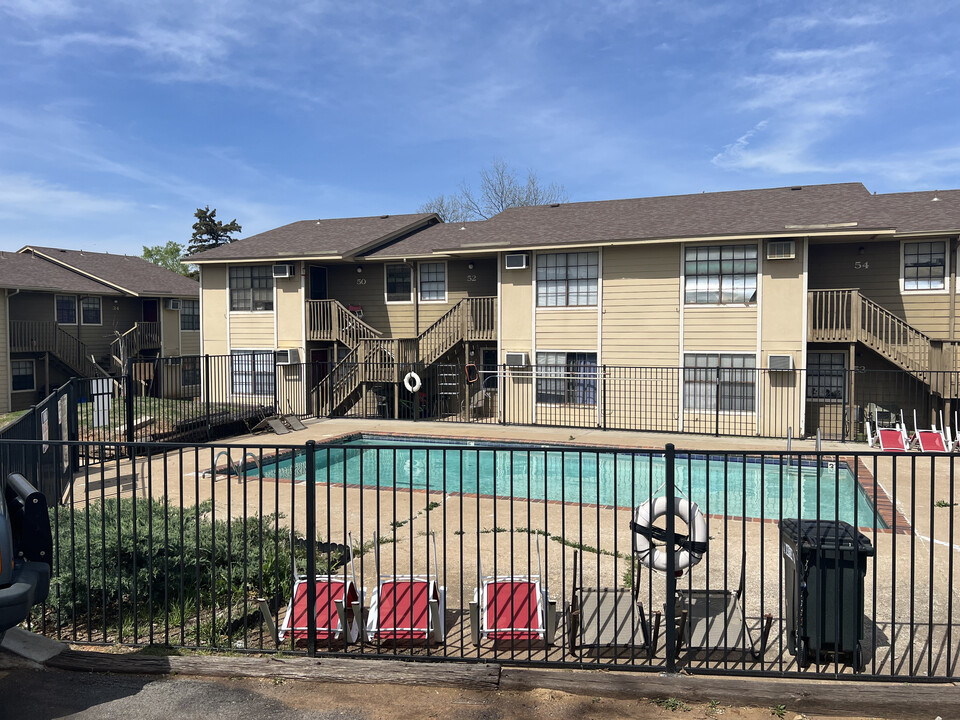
(858, 265)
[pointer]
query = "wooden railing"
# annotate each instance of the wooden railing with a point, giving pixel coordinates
(40, 336)
(470, 319)
(847, 316)
(329, 320)
(141, 336)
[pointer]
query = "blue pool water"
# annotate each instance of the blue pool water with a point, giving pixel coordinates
(739, 489)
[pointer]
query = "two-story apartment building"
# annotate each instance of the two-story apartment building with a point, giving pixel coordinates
(758, 300)
(73, 313)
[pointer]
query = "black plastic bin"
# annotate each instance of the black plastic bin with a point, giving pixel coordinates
(824, 566)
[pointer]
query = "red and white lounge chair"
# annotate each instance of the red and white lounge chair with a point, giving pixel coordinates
(407, 608)
(893, 439)
(513, 609)
(339, 604)
(932, 440)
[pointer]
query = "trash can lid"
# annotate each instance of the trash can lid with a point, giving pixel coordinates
(826, 534)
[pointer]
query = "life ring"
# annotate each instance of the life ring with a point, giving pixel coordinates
(691, 547)
(412, 382)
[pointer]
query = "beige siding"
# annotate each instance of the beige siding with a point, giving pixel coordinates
(567, 329)
(170, 331)
(289, 311)
(782, 307)
(641, 305)
(214, 310)
(720, 329)
(251, 330)
(4, 355)
(834, 266)
(190, 342)
(516, 305)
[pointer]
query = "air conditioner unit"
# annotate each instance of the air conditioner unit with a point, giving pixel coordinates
(780, 362)
(282, 271)
(516, 261)
(172, 303)
(781, 249)
(288, 357)
(517, 359)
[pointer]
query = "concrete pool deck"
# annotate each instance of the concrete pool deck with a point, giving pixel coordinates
(472, 529)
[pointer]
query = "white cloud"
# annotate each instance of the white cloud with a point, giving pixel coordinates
(22, 196)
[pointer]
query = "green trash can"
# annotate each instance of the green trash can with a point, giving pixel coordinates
(824, 564)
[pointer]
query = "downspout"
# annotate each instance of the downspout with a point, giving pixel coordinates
(9, 388)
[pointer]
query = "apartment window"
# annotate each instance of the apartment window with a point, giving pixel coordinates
(567, 378)
(252, 372)
(826, 376)
(251, 288)
(66, 309)
(399, 283)
(190, 371)
(189, 314)
(720, 274)
(709, 379)
(90, 311)
(924, 265)
(565, 279)
(22, 375)
(433, 282)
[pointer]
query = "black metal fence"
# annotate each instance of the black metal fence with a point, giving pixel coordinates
(716, 401)
(805, 564)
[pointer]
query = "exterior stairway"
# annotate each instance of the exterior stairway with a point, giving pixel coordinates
(846, 316)
(49, 337)
(141, 336)
(381, 360)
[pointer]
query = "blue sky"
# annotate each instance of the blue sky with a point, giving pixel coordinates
(119, 119)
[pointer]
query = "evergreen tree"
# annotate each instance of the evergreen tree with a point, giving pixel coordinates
(209, 233)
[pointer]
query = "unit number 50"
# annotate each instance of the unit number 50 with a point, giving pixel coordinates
(858, 265)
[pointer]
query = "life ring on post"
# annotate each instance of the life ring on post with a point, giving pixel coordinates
(411, 382)
(691, 547)
(470, 370)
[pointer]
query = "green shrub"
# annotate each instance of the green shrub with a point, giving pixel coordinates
(172, 564)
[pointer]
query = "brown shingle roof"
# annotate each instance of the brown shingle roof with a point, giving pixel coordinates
(339, 237)
(28, 272)
(128, 273)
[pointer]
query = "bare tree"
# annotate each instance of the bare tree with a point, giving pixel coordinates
(500, 188)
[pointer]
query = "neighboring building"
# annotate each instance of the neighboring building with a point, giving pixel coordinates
(719, 286)
(63, 313)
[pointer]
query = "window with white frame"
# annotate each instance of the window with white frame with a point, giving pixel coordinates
(66, 309)
(826, 376)
(399, 283)
(720, 274)
(712, 381)
(189, 314)
(925, 265)
(90, 311)
(567, 378)
(252, 372)
(433, 281)
(567, 279)
(22, 375)
(251, 288)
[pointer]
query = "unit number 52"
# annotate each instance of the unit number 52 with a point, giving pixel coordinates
(858, 265)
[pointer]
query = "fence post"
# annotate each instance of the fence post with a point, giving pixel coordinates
(311, 538)
(671, 598)
(128, 409)
(716, 404)
(603, 405)
(276, 383)
(207, 388)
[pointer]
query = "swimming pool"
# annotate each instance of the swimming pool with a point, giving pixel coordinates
(719, 485)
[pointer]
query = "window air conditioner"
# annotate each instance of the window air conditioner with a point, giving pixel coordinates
(282, 271)
(517, 359)
(780, 362)
(288, 357)
(172, 303)
(781, 249)
(516, 261)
